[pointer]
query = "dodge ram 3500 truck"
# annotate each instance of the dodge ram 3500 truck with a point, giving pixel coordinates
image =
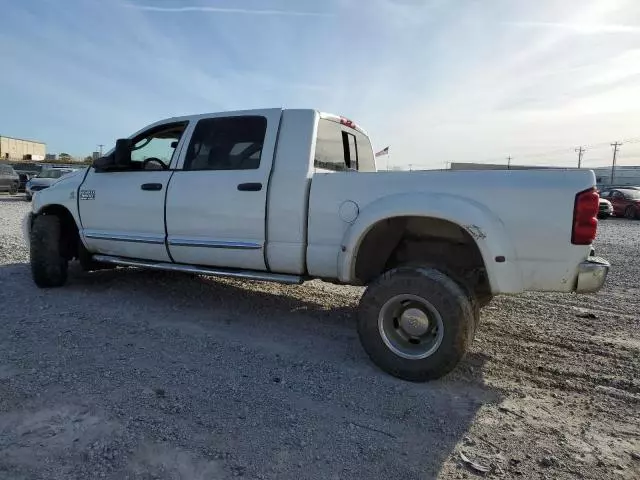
(290, 195)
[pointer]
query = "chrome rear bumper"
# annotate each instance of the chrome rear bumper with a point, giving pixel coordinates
(592, 274)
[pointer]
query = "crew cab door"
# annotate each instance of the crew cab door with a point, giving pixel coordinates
(216, 202)
(122, 210)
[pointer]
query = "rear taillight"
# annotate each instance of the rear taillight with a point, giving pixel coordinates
(585, 222)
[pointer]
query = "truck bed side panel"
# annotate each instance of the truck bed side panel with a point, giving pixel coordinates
(524, 215)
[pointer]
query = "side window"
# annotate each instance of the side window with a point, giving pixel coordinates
(226, 143)
(366, 160)
(331, 147)
(341, 148)
(350, 150)
(616, 194)
(160, 144)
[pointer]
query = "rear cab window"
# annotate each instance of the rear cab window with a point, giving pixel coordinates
(341, 146)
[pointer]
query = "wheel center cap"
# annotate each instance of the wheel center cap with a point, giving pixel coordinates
(414, 321)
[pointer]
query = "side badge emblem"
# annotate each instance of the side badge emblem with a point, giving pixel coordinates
(87, 194)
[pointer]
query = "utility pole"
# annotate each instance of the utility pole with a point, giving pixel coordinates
(580, 151)
(100, 146)
(509, 162)
(615, 146)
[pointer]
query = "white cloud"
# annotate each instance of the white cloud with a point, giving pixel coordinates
(503, 89)
(583, 29)
(439, 81)
(208, 9)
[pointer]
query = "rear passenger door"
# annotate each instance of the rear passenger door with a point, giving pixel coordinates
(216, 200)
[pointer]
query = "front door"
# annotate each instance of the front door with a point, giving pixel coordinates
(216, 202)
(122, 212)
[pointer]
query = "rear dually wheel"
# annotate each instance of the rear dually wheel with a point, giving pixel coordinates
(416, 323)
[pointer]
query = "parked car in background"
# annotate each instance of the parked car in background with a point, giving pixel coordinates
(26, 171)
(625, 201)
(24, 178)
(44, 180)
(605, 209)
(9, 179)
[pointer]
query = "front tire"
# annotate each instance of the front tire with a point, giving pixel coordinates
(416, 323)
(48, 265)
(13, 189)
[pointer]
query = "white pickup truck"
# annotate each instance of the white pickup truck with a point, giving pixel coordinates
(290, 195)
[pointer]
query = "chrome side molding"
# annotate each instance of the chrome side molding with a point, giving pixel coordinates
(199, 270)
(190, 242)
(121, 237)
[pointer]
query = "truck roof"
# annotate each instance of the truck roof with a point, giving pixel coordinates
(261, 111)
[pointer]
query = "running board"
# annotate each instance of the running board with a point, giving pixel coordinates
(216, 272)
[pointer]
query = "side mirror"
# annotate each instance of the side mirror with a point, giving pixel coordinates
(122, 153)
(103, 163)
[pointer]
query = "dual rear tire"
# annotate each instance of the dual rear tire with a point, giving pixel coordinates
(417, 323)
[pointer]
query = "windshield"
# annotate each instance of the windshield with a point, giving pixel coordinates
(631, 194)
(52, 173)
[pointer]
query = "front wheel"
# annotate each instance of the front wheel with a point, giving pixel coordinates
(13, 189)
(416, 323)
(48, 265)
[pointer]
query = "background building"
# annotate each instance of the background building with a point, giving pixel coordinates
(624, 176)
(19, 149)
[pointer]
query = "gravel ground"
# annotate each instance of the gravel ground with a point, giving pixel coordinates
(141, 375)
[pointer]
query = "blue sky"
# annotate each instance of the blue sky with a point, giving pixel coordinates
(437, 80)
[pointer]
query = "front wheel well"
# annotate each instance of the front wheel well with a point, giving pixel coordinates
(426, 241)
(69, 236)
